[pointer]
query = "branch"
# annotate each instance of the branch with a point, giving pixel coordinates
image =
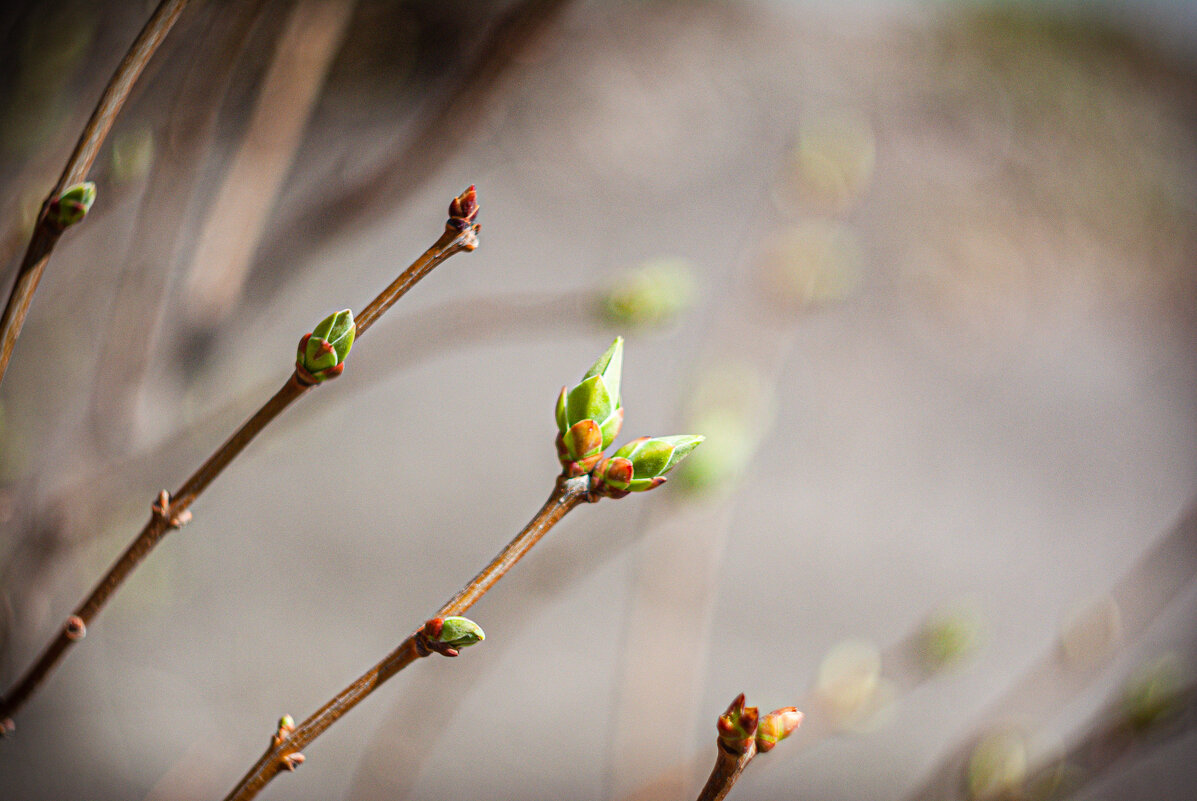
(283, 754)
(47, 230)
(173, 511)
(743, 735)
(589, 416)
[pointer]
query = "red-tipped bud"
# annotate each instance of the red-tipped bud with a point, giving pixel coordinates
(463, 215)
(776, 726)
(465, 206)
(737, 726)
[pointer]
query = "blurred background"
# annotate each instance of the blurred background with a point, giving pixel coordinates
(923, 273)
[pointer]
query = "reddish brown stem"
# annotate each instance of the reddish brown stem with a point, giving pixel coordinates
(45, 235)
(172, 511)
(728, 767)
(280, 756)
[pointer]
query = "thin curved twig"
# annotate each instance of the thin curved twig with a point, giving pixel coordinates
(45, 233)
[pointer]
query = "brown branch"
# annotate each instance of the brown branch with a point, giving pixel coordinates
(283, 754)
(727, 770)
(172, 511)
(45, 233)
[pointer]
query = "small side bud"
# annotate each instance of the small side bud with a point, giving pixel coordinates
(286, 725)
(447, 635)
(641, 465)
(460, 632)
(322, 353)
(737, 726)
(293, 761)
(75, 628)
(590, 414)
(776, 726)
(71, 205)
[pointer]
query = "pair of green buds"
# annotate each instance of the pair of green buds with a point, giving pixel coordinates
(741, 727)
(589, 417)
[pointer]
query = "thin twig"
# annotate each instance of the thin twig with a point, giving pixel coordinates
(45, 234)
(727, 770)
(172, 511)
(284, 752)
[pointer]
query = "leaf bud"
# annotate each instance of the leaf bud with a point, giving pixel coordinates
(71, 205)
(322, 353)
(642, 464)
(776, 726)
(590, 414)
(445, 635)
(737, 726)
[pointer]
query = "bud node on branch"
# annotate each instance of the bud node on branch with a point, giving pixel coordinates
(75, 628)
(165, 516)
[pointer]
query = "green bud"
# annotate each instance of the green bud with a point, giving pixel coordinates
(590, 414)
(653, 294)
(459, 632)
(322, 353)
(776, 726)
(71, 205)
(737, 726)
(642, 464)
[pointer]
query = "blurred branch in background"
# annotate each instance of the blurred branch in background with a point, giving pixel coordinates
(786, 276)
(47, 230)
(1088, 644)
(446, 120)
(304, 52)
(1154, 710)
(140, 304)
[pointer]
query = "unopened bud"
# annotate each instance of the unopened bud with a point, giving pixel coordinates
(445, 635)
(463, 216)
(459, 632)
(776, 726)
(737, 726)
(464, 207)
(322, 353)
(590, 414)
(71, 205)
(642, 464)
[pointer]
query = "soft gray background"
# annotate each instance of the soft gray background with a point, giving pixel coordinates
(993, 405)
